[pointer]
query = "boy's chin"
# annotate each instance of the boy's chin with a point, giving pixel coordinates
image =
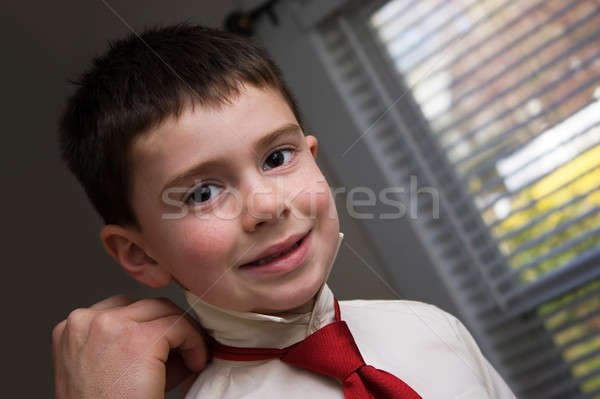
(297, 297)
(292, 301)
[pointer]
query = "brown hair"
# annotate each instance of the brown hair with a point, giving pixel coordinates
(138, 83)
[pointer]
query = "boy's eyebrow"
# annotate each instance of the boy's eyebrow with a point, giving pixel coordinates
(285, 130)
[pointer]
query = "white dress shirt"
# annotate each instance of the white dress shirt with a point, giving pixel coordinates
(424, 346)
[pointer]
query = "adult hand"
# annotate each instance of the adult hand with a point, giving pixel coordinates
(123, 348)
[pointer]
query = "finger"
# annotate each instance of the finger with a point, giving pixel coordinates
(112, 302)
(76, 329)
(57, 332)
(150, 309)
(177, 332)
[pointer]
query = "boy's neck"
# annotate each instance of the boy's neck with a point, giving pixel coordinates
(305, 308)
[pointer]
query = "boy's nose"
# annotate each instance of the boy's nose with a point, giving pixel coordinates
(265, 204)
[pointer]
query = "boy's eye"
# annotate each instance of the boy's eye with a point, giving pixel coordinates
(206, 191)
(203, 193)
(278, 158)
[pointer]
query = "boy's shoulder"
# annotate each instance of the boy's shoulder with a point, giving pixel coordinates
(396, 304)
(400, 312)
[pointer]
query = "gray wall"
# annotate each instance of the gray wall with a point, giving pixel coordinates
(50, 236)
(52, 251)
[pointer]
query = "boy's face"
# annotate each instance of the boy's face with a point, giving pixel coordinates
(254, 195)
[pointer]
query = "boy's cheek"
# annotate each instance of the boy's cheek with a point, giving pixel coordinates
(200, 246)
(315, 200)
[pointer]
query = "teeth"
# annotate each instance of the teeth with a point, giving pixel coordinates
(267, 259)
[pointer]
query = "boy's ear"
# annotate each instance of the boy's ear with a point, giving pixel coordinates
(313, 144)
(124, 245)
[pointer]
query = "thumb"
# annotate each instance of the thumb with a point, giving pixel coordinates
(195, 357)
(186, 384)
(177, 371)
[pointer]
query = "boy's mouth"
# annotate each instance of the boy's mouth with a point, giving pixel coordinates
(276, 251)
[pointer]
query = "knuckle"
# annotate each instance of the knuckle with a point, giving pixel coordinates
(143, 302)
(105, 322)
(76, 318)
(57, 331)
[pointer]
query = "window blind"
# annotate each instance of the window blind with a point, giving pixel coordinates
(496, 105)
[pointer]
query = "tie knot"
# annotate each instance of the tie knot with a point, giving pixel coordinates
(330, 351)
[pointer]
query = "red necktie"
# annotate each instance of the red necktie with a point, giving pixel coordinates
(332, 351)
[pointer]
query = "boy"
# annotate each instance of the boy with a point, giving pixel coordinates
(192, 150)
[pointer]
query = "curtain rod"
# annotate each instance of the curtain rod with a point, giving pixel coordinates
(241, 22)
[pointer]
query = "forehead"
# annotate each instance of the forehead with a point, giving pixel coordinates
(249, 112)
(204, 133)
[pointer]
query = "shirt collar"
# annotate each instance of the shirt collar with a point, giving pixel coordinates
(249, 329)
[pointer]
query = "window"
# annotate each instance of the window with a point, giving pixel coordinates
(495, 103)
